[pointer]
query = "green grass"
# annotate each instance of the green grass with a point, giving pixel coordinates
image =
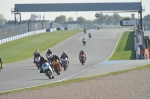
(22, 49)
(76, 80)
(125, 47)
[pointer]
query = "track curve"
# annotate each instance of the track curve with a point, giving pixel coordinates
(98, 48)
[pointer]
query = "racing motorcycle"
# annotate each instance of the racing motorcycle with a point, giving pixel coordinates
(64, 63)
(48, 70)
(90, 35)
(57, 67)
(49, 57)
(85, 31)
(84, 42)
(82, 59)
(37, 61)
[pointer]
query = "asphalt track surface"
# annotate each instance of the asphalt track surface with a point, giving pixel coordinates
(98, 49)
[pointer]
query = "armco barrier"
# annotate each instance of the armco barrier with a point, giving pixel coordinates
(60, 28)
(50, 29)
(24, 35)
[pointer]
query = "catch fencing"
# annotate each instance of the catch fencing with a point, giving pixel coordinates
(18, 29)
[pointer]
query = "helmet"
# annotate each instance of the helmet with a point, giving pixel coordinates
(54, 54)
(82, 50)
(37, 50)
(64, 52)
(42, 58)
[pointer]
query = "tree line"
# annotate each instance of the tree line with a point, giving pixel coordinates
(115, 18)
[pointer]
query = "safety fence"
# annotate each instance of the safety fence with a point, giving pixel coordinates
(18, 29)
(4, 40)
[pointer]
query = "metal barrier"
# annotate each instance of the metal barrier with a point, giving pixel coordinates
(18, 29)
(24, 35)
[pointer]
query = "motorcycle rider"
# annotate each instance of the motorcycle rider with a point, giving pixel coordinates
(83, 40)
(36, 54)
(82, 53)
(48, 52)
(42, 60)
(84, 30)
(90, 34)
(55, 57)
(64, 55)
(1, 63)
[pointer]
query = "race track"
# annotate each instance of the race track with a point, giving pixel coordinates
(98, 48)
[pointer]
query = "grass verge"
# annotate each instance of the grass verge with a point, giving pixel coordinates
(125, 47)
(76, 80)
(22, 49)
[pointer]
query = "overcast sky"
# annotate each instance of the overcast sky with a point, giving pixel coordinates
(6, 5)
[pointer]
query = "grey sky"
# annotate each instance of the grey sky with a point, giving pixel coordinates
(6, 5)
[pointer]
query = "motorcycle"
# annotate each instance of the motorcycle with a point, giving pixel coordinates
(57, 67)
(37, 61)
(82, 59)
(49, 57)
(85, 31)
(47, 70)
(90, 35)
(64, 63)
(84, 42)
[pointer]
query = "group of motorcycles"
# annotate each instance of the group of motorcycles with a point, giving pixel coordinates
(89, 35)
(82, 57)
(51, 66)
(56, 66)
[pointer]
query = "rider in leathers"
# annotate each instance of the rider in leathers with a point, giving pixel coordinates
(90, 34)
(82, 52)
(48, 52)
(36, 54)
(42, 60)
(64, 55)
(55, 57)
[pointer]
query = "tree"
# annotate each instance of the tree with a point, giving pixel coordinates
(117, 17)
(2, 19)
(101, 19)
(110, 19)
(81, 20)
(88, 21)
(147, 17)
(60, 19)
(70, 19)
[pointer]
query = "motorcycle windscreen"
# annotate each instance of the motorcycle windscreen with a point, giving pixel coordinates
(45, 66)
(37, 59)
(63, 60)
(49, 56)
